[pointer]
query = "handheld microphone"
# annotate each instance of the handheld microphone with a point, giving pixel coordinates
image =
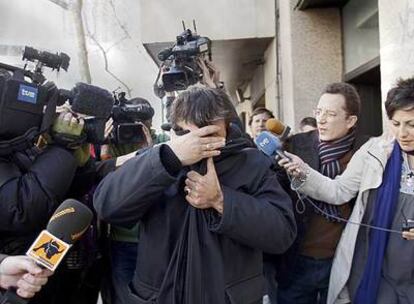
(70, 220)
(89, 100)
(277, 127)
(270, 144)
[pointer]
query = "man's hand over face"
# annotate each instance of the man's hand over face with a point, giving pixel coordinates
(196, 145)
(204, 191)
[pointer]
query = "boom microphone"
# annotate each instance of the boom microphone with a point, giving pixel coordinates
(70, 220)
(277, 127)
(89, 100)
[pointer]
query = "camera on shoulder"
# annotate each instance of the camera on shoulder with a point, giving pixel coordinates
(28, 102)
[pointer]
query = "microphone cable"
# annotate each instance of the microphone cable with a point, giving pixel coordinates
(303, 198)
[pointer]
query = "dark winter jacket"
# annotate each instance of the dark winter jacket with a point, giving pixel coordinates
(32, 184)
(188, 255)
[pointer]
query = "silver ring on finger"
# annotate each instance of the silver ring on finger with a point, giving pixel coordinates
(187, 190)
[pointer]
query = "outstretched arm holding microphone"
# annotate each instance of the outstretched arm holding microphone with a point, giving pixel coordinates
(380, 177)
(22, 273)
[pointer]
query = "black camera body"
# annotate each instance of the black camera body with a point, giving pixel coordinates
(129, 117)
(28, 102)
(180, 68)
(93, 102)
(21, 105)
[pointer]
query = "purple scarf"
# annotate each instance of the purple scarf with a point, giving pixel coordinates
(329, 154)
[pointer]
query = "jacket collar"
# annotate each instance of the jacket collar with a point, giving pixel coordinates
(383, 149)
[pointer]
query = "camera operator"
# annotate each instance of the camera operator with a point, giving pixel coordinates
(136, 115)
(36, 178)
(33, 183)
(132, 131)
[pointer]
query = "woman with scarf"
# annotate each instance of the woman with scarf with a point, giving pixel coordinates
(209, 205)
(374, 262)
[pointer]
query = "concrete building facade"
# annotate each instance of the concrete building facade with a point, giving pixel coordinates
(243, 43)
(273, 53)
(281, 53)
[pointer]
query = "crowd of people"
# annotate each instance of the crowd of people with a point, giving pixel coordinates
(203, 216)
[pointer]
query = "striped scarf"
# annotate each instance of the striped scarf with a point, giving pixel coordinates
(329, 154)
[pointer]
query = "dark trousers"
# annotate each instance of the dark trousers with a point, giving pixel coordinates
(123, 258)
(309, 281)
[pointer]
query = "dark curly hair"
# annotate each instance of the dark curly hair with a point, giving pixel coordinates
(401, 97)
(201, 106)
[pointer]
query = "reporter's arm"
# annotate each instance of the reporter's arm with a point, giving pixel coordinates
(341, 189)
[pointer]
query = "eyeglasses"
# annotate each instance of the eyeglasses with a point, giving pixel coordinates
(327, 113)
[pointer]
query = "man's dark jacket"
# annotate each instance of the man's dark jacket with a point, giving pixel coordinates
(306, 146)
(188, 255)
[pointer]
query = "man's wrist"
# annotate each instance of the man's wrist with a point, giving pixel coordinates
(170, 160)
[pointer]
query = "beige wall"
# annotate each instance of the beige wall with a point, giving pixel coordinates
(270, 78)
(245, 107)
(311, 57)
(396, 22)
(217, 19)
(361, 35)
(264, 83)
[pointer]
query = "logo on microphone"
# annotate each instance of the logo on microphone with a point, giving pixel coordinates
(264, 142)
(62, 213)
(267, 143)
(48, 250)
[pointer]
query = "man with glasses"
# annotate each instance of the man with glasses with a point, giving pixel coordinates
(304, 273)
